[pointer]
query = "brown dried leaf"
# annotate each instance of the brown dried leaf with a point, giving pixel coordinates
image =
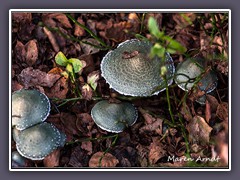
(156, 150)
(30, 77)
(87, 92)
(59, 90)
(69, 123)
(87, 145)
(199, 130)
(186, 112)
(78, 31)
(213, 102)
(21, 17)
(77, 157)
(155, 127)
(48, 19)
(52, 39)
(84, 123)
(208, 111)
(52, 160)
(89, 49)
(117, 32)
(20, 51)
(100, 159)
(222, 111)
(31, 52)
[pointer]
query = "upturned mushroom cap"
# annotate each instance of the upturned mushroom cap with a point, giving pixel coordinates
(134, 73)
(114, 117)
(190, 69)
(38, 141)
(29, 107)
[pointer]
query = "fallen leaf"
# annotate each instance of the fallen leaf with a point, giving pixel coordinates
(222, 111)
(21, 17)
(156, 150)
(84, 123)
(52, 160)
(92, 79)
(87, 145)
(100, 159)
(48, 19)
(208, 111)
(31, 52)
(186, 112)
(52, 39)
(87, 92)
(79, 31)
(20, 52)
(213, 102)
(89, 49)
(77, 158)
(69, 123)
(199, 130)
(30, 77)
(59, 89)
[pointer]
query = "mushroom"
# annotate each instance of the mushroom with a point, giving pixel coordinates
(188, 72)
(29, 107)
(130, 71)
(18, 160)
(38, 141)
(114, 117)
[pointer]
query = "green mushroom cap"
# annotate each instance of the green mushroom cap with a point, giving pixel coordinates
(38, 141)
(114, 117)
(29, 107)
(189, 70)
(129, 70)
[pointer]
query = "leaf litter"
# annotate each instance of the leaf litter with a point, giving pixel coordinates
(153, 139)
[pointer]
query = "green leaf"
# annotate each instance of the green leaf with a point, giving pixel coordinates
(61, 59)
(77, 64)
(157, 50)
(69, 69)
(174, 45)
(153, 28)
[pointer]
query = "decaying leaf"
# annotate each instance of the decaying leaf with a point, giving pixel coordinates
(100, 159)
(59, 89)
(78, 31)
(30, 77)
(199, 130)
(87, 145)
(222, 111)
(69, 122)
(156, 150)
(52, 160)
(31, 52)
(186, 112)
(153, 125)
(87, 92)
(89, 49)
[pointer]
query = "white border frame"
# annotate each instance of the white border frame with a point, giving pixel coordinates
(108, 11)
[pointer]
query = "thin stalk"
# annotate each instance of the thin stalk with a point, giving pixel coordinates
(73, 99)
(184, 136)
(91, 139)
(168, 100)
(112, 144)
(142, 23)
(88, 30)
(72, 38)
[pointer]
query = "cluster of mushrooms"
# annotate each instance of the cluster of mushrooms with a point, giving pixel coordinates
(128, 70)
(35, 139)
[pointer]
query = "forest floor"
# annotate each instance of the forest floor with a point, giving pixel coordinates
(197, 138)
